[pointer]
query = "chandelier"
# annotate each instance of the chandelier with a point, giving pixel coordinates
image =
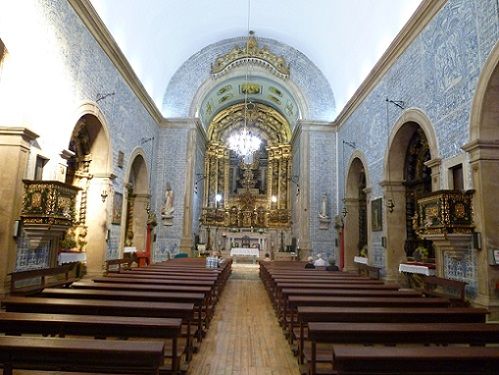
(243, 142)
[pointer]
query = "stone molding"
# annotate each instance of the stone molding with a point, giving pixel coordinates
(418, 21)
(103, 37)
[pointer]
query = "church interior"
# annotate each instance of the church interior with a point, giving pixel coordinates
(134, 174)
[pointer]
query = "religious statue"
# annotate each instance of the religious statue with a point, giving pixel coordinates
(324, 218)
(167, 211)
(323, 213)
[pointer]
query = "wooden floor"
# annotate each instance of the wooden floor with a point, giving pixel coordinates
(244, 337)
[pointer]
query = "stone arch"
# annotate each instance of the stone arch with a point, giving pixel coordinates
(412, 123)
(411, 115)
(194, 73)
(484, 111)
(136, 201)
(356, 203)
(89, 168)
(483, 150)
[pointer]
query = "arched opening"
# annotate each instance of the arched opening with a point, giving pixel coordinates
(248, 197)
(483, 150)
(136, 203)
(407, 178)
(355, 229)
(88, 170)
(417, 182)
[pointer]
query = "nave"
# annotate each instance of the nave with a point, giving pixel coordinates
(244, 337)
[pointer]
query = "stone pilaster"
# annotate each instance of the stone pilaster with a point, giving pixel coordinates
(394, 218)
(15, 144)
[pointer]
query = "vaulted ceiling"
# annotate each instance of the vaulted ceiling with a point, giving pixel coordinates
(343, 38)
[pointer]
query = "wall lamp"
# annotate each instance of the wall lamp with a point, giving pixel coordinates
(390, 205)
(103, 195)
(294, 179)
(199, 177)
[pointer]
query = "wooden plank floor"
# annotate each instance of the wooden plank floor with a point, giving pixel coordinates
(244, 337)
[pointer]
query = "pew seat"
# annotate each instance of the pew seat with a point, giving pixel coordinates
(80, 355)
(361, 360)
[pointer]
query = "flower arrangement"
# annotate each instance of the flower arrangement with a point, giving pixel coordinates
(421, 252)
(363, 251)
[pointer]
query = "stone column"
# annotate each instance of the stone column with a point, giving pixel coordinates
(304, 196)
(140, 221)
(351, 232)
(484, 159)
(394, 227)
(14, 148)
(434, 164)
(186, 242)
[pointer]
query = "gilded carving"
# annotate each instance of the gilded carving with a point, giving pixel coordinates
(251, 53)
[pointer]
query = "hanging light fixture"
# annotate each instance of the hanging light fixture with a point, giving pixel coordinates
(243, 142)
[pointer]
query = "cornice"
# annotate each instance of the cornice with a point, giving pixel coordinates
(99, 31)
(418, 21)
(318, 126)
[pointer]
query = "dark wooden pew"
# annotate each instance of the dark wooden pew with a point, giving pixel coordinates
(307, 314)
(118, 265)
(36, 280)
(185, 311)
(206, 290)
(277, 297)
(83, 355)
(396, 333)
(296, 301)
(454, 290)
(123, 295)
(14, 323)
(285, 293)
(360, 360)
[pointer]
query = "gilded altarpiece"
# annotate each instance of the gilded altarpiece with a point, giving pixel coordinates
(245, 188)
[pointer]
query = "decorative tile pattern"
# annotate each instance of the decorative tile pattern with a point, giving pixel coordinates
(177, 101)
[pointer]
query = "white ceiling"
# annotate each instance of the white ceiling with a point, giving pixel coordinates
(344, 38)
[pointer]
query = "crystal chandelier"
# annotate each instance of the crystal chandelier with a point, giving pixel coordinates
(243, 142)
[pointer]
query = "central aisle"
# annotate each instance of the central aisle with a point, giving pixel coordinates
(244, 337)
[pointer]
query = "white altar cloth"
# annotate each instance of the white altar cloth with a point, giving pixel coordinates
(70, 257)
(413, 268)
(245, 251)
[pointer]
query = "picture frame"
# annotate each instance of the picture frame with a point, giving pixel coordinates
(117, 208)
(377, 215)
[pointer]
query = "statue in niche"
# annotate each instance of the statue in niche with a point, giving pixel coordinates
(167, 211)
(324, 218)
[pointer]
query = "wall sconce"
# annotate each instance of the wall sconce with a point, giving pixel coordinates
(477, 240)
(294, 179)
(390, 205)
(199, 178)
(103, 195)
(344, 211)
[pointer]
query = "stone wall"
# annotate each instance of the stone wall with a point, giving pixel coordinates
(69, 69)
(437, 74)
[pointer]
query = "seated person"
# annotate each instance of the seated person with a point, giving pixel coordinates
(213, 261)
(332, 265)
(319, 262)
(310, 262)
(267, 257)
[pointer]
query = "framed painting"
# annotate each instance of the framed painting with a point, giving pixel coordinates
(117, 206)
(377, 215)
